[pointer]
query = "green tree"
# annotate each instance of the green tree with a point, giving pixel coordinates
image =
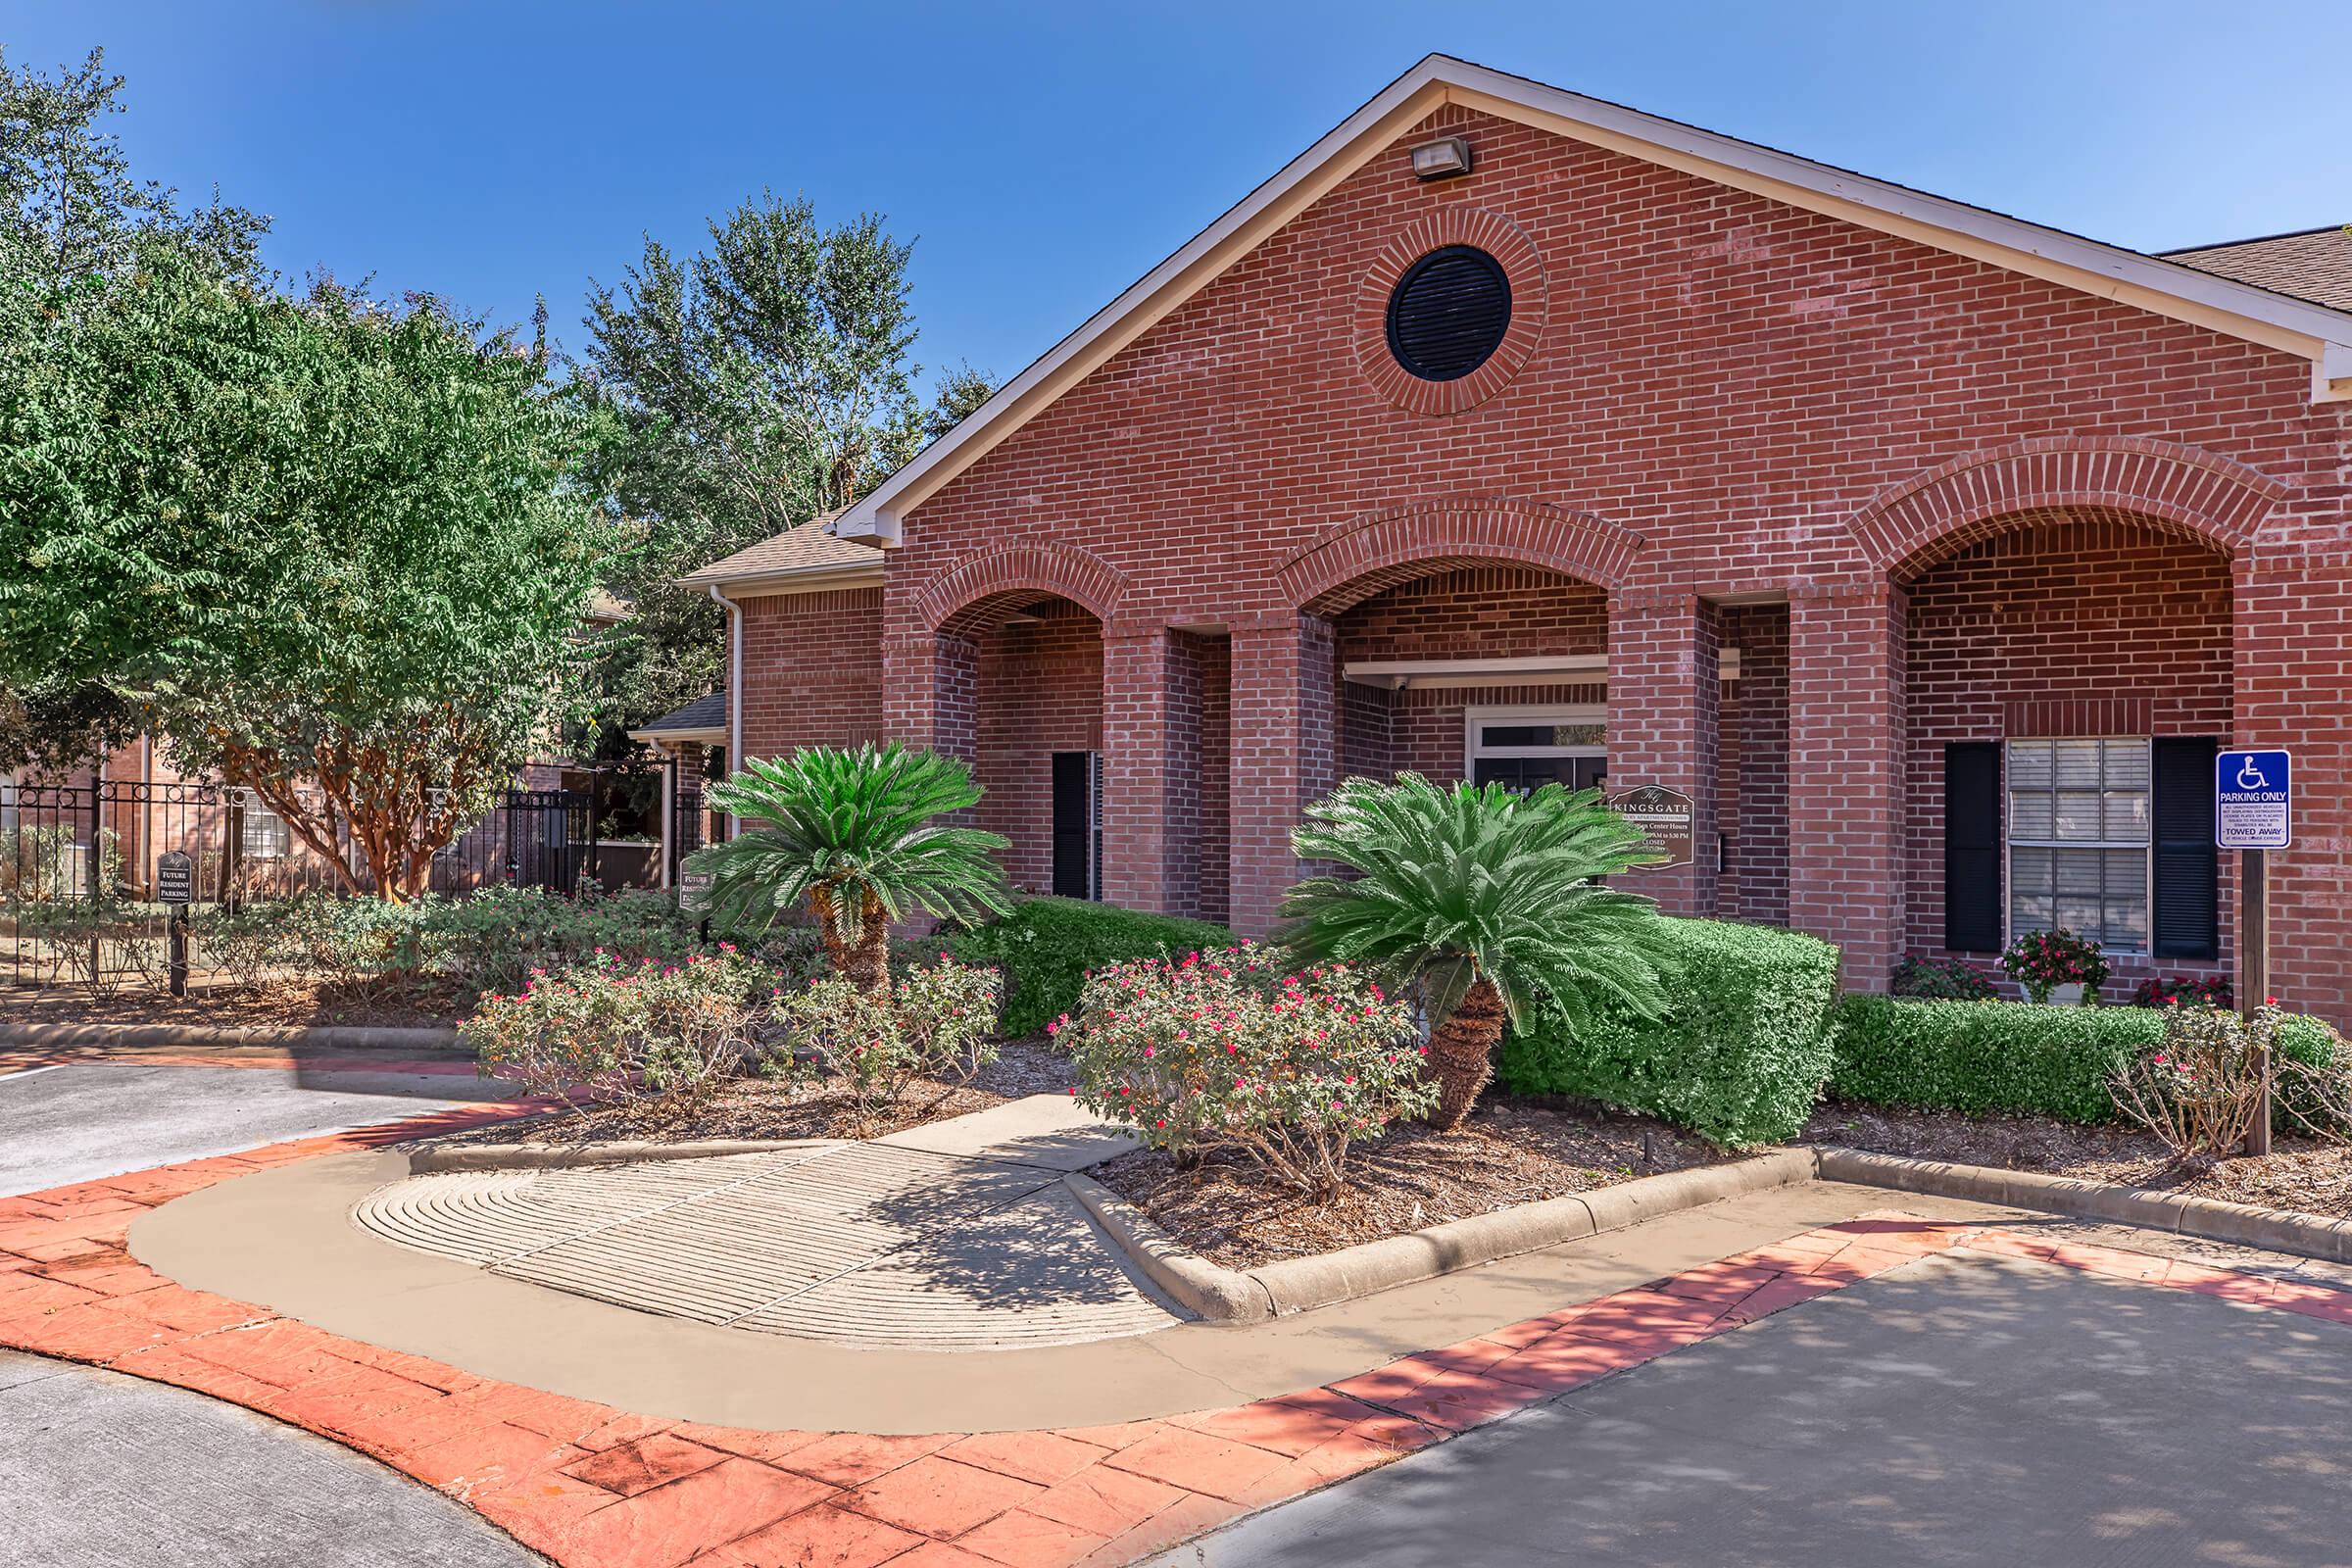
(333, 549)
(1484, 899)
(960, 393)
(755, 384)
(857, 836)
(71, 216)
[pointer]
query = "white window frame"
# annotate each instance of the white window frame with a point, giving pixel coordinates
(10, 814)
(256, 809)
(2146, 846)
(1475, 719)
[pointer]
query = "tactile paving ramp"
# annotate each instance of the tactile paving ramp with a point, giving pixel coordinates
(855, 1243)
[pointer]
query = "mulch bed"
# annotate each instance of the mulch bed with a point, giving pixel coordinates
(767, 1108)
(2301, 1175)
(1227, 1210)
(305, 1003)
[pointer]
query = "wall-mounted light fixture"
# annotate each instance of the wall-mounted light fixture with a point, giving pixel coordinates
(1442, 158)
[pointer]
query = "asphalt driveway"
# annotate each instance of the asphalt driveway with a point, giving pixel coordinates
(1964, 1409)
(87, 1119)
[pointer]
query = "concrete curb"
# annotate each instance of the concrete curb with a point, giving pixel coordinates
(437, 1158)
(2274, 1230)
(417, 1042)
(1300, 1285)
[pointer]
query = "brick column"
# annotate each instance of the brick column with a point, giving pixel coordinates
(1152, 770)
(1284, 744)
(1665, 698)
(930, 684)
(1845, 773)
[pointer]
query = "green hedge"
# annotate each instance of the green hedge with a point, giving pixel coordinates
(1983, 1056)
(1045, 945)
(1739, 1058)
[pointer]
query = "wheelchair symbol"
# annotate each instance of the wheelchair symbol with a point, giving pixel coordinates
(2249, 777)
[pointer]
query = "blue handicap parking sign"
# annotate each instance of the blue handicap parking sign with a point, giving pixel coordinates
(2253, 798)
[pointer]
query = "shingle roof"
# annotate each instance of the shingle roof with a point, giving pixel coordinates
(2315, 263)
(704, 712)
(809, 547)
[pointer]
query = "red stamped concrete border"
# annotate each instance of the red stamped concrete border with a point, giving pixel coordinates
(596, 1487)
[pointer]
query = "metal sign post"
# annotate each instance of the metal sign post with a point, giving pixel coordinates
(174, 888)
(2253, 795)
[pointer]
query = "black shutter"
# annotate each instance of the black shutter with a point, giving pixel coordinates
(1972, 847)
(2186, 920)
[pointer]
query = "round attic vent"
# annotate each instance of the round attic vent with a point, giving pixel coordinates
(1448, 313)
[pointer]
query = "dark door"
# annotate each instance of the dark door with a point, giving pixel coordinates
(1077, 824)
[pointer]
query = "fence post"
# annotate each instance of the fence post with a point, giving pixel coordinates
(93, 873)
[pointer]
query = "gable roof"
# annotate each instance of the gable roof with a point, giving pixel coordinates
(2312, 263)
(702, 719)
(808, 555)
(2224, 304)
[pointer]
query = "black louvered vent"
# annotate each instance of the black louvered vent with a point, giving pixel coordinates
(1448, 313)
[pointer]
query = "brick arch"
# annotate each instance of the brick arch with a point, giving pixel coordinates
(1355, 560)
(2174, 489)
(979, 591)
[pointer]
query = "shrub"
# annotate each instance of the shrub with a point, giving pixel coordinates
(2043, 960)
(1941, 980)
(2200, 1090)
(1980, 1057)
(937, 1022)
(1223, 1050)
(611, 1033)
(1045, 948)
(2210, 991)
(1738, 1056)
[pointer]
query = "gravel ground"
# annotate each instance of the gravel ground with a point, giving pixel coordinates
(1228, 1210)
(2299, 1174)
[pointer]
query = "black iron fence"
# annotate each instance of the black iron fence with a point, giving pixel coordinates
(80, 900)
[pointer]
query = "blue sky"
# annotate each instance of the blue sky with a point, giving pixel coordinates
(1048, 155)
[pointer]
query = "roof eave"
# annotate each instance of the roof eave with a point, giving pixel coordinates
(792, 579)
(2241, 309)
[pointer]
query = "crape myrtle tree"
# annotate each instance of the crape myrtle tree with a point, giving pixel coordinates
(72, 215)
(331, 549)
(755, 383)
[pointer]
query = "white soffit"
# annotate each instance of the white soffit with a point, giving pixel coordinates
(2314, 332)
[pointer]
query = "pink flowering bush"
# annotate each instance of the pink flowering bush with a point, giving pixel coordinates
(2039, 962)
(1226, 1050)
(2200, 1090)
(611, 1033)
(937, 1022)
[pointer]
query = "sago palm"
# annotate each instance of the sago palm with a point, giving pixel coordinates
(1487, 900)
(856, 835)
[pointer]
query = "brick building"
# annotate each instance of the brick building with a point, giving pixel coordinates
(1510, 434)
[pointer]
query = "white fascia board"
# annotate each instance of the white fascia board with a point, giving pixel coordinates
(806, 581)
(2170, 288)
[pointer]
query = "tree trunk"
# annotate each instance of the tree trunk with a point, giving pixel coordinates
(826, 904)
(1461, 1053)
(870, 962)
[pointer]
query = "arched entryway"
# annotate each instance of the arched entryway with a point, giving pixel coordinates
(2068, 675)
(1037, 736)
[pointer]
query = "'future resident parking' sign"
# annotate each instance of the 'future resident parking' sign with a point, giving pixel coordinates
(2253, 796)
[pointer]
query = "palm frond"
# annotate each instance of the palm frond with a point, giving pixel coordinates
(1447, 885)
(857, 822)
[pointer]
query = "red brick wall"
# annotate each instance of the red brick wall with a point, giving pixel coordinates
(812, 670)
(1752, 766)
(1475, 612)
(1727, 397)
(2062, 628)
(1040, 692)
